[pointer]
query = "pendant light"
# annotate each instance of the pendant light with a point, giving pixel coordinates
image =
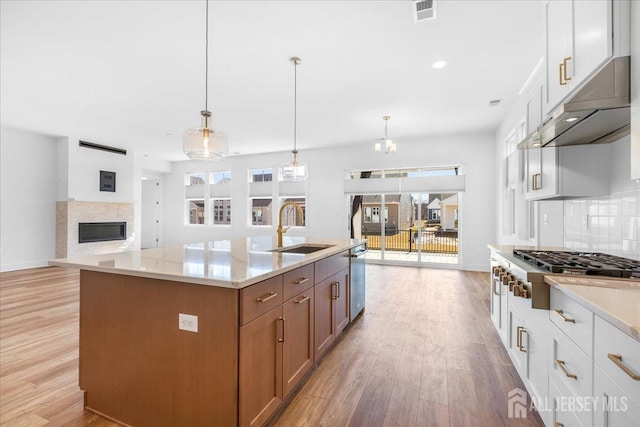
(389, 145)
(294, 170)
(205, 143)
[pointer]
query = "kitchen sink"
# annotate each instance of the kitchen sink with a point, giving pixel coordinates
(305, 248)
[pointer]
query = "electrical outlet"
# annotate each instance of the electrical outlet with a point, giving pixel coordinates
(187, 322)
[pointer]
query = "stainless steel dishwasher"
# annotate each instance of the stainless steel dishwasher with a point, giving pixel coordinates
(357, 280)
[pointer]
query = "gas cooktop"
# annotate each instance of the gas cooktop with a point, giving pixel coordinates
(581, 263)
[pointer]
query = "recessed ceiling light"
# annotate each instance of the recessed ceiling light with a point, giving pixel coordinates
(571, 119)
(439, 64)
(494, 102)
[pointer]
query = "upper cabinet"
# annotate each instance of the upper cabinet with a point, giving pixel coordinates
(579, 39)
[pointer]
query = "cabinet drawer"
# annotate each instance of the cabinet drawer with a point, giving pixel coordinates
(572, 319)
(298, 280)
(613, 408)
(331, 265)
(609, 340)
(259, 298)
(571, 365)
(561, 414)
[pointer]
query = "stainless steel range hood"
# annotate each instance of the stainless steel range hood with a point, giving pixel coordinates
(599, 112)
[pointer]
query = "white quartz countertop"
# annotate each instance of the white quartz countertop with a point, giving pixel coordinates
(616, 301)
(235, 263)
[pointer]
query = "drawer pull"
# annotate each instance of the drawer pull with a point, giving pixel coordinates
(617, 359)
(267, 297)
(300, 281)
(566, 319)
(304, 298)
(520, 330)
(560, 363)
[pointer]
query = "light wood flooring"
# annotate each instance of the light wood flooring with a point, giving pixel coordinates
(424, 354)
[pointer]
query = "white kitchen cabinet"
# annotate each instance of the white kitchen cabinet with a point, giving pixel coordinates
(613, 407)
(578, 41)
(635, 90)
(574, 171)
(528, 347)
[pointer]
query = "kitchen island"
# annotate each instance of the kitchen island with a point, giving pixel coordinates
(211, 333)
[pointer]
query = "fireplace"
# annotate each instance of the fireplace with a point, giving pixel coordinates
(101, 231)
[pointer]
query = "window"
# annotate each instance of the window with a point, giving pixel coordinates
(221, 209)
(196, 211)
(261, 211)
(260, 175)
(372, 214)
(290, 213)
(222, 177)
(196, 178)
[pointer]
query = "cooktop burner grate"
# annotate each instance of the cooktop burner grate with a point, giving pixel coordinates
(581, 263)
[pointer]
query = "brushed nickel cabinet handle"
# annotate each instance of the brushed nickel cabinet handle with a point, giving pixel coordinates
(300, 280)
(304, 298)
(281, 339)
(560, 363)
(617, 359)
(267, 297)
(561, 73)
(564, 69)
(566, 319)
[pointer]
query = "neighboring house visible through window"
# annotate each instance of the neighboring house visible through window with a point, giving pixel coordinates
(221, 211)
(195, 197)
(260, 175)
(261, 211)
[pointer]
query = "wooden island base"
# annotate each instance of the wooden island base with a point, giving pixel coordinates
(253, 347)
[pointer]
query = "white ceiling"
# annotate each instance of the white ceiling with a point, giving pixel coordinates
(131, 73)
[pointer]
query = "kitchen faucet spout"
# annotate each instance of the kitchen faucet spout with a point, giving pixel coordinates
(281, 230)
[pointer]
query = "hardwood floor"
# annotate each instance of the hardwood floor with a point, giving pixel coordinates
(424, 354)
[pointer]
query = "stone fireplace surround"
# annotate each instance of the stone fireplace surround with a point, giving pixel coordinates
(70, 213)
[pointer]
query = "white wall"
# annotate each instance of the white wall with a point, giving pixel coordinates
(327, 206)
(28, 187)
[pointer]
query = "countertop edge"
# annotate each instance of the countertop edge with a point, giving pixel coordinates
(631, 330)
(231, 284)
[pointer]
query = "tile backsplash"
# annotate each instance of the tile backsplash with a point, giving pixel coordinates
(609, 224)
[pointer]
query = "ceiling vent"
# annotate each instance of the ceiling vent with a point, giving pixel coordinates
(423, 10)
(94, 146)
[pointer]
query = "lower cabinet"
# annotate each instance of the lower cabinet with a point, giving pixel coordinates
(613, 406)
(279, 347)
(261, 367)
(297, 354)
(331, 310)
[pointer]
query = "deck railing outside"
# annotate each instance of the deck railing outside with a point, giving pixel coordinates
(432, 241)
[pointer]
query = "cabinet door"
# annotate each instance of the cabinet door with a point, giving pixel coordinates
(341, 301)
(324, 326)
(495, 301)
(559, 51)
(297, 352)
(548, 181)
(614, 407)
(516, 335)
(592, 34)
(261, 367)
(533, 158)
(534, 109)
(537, 364)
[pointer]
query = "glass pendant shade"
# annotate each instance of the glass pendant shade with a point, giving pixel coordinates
(294, 170)
(205, 143)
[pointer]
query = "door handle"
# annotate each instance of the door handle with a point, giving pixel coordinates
(564, 69)
(334, 295)
(519, 344)
(561, 73)
(281, 339)
(560, 363)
